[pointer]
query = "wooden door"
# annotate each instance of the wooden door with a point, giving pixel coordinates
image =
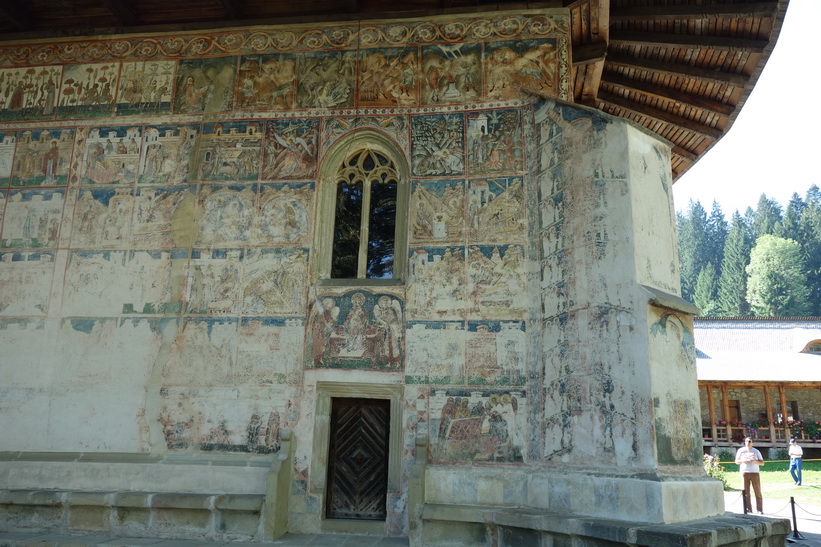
(358, 459)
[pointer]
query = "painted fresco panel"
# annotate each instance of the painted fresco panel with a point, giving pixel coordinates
(496, 210)
(387, 77)
(270, 351)
(169, 154)
(515, 68)
(334, 127)
(25, 282)
(102, 218)
(32, 218)
(224, 419)
(29, 93)
(357, 330)
(205, 85)
(437, 212)
(495, 353)
(451, 73)
(145, 88)
(213, 284)
(436, 283)
(8, 142)
(290, 149)
(436, 352)
(225, 214)
(284, 213)
(497, 281)
(230, 151)
(110, 283)
(266, 82)
(42, 157)
(274, 281)
(22, 342)
(326, 79)
(88, 91)
(495, 142)
(112, 155)
(437, 145)
(203, 353)
(477, 425)
(163, 216)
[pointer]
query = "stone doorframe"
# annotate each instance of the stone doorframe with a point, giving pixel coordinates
(325, 391)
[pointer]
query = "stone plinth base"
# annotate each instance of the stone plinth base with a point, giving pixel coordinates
(451, 525)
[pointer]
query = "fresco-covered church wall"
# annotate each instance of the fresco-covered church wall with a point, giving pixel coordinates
(159, 198)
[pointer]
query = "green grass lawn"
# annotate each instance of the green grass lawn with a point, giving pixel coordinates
(776, 482)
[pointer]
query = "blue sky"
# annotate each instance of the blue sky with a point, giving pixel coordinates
(774, 145)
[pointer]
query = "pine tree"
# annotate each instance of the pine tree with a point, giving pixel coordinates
(767, 216)
(704, 296)
(692, 249)
(732, 283)
(788, 228)
(777, 280)
(716, 235)
(809, 228)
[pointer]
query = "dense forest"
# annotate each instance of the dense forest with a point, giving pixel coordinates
(764, 263)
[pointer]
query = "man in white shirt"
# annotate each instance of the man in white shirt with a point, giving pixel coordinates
(749, 459)
(796, 454)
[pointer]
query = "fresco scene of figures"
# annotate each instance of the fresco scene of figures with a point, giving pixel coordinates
(230, 151)
(25, 282)
(437, 148)
(437, 212)
(274, 281)
(152, 292)
(437, 352)
(477, 425)
(205, 85)
(169, 154)
(451, 73)
(290, 149)
(357, 330)
(8, 142)
(266, 82)
(29, 93)
(495, 353)
(495, 142)
(387, 77)
(436, 286)
(112, 155)
(42, 157)
(497, 281)
(496, 210)
(270, 351)
(334, 127)
(326, 79)
(514, 68)
(284, 213)
(216, 419)
(32, 218)
(103, 218)
(88, 91)
(154, 212)
(145, 88)
(225, 213)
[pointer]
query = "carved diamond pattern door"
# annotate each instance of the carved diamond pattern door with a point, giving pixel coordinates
(358, 459)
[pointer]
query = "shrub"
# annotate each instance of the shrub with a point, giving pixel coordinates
(726, 456)
(779, 454)
(713, 468)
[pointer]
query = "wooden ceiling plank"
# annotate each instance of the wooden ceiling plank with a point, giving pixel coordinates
(232, 8)
(589, 53)
(122, 11)
(669, 94)
(660, 115)
(651, 65)
(688, 11)
(15, 15)
(667, 39)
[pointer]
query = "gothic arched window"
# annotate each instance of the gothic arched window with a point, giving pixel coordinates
(361, 229)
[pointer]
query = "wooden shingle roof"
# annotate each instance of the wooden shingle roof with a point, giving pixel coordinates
(680, 68)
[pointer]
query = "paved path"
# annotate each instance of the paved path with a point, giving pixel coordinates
(807, 516)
